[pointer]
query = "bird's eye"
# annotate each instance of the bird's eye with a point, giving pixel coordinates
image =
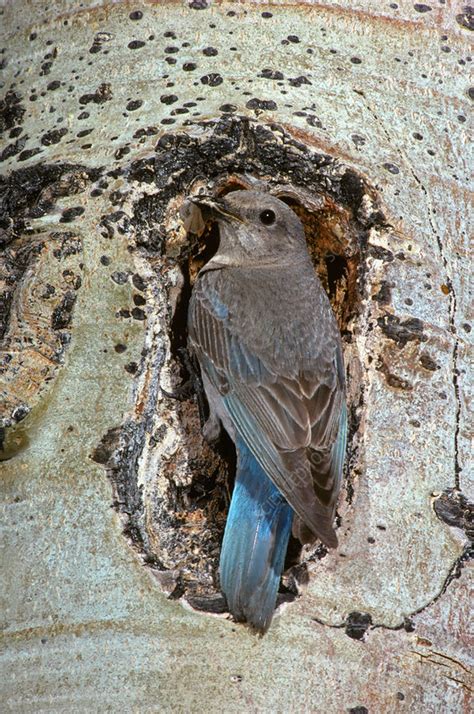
(267, 217)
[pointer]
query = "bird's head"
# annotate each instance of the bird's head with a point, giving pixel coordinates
(254, 228)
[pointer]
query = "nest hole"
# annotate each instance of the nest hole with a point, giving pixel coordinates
(174, 503)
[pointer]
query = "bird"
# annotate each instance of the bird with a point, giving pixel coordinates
(262, 330)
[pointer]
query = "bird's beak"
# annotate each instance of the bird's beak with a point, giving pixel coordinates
(211, 207)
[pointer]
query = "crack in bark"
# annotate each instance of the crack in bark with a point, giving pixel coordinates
(451, 659)
(407, 624)
(428, 658)
(452, 327)
(449, 283)
(459, 681)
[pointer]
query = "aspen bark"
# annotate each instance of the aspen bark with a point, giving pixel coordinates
(113, 506)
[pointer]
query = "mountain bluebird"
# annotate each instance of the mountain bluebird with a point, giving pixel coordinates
(269, 349)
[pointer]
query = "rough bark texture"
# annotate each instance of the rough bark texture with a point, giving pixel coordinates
(113, 507)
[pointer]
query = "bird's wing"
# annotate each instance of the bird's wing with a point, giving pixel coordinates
(290, 423)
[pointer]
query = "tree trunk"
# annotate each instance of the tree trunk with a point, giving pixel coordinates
(114, 507)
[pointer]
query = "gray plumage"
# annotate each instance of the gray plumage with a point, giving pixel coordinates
(269, 348)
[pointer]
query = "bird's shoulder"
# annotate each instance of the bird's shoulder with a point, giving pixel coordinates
(287, 293)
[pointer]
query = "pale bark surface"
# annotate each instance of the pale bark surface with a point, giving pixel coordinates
(95, 454)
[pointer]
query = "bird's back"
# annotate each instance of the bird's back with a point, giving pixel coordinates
(281, 313)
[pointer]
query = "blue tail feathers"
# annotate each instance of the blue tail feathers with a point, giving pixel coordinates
(255, 542)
